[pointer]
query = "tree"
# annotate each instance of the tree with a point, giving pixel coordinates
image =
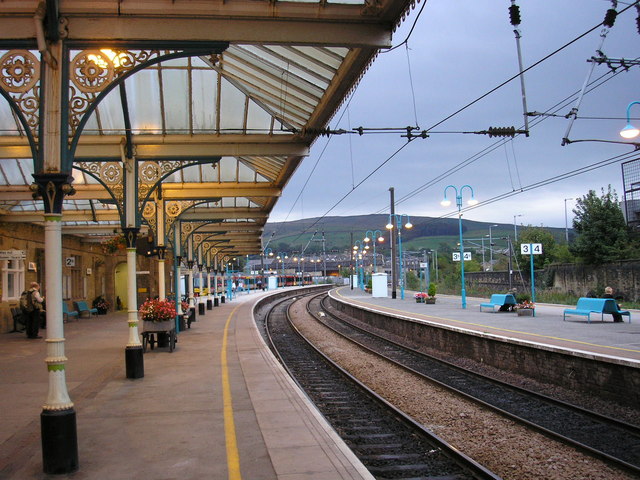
(537, 235)
(602, 232)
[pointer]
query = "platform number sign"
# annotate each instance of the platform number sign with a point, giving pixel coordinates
(531, 249)
(70, 261)
(456, 256)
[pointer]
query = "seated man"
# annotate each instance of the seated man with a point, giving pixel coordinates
(608, 293)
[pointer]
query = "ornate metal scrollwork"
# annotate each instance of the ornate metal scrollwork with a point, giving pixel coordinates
(20, 76)
(91, 71)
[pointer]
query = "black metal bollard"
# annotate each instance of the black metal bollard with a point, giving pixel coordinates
(222, 298)
(192, 316)
(201, 307)
(59, 441)
(216, 302)
(209, 304)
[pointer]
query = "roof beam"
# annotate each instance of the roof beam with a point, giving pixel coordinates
(342, 32)
(152, 146)
(112, 215)
(181, 191)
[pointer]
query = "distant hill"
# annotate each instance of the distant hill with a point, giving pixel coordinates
(427, 232)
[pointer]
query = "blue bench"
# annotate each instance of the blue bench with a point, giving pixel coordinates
(68, 313)
(84, 308)
(499, 300)
(587, 306)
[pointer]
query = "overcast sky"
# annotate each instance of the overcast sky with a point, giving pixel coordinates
(458, 51)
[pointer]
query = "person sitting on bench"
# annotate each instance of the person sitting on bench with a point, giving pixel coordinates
(608, 293)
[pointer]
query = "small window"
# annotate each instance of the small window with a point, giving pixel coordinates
(12, 279)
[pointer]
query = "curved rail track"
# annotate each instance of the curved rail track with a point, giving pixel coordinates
(389, 443)
(615, 442)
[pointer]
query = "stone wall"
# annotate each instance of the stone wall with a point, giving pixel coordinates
(577, 279)
(96, 269)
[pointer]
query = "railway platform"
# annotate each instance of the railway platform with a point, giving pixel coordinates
(617, 341)
(218, 407)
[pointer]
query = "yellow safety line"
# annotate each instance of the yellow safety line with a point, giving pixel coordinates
(487, 326)
(233, 459)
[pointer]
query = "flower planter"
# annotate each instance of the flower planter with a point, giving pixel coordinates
(525, 312)
(419, 300)
(430, 301)
(164, 326)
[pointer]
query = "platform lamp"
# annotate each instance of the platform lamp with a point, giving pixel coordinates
(282, 256)
(398, 225)
(491, 246)
(446, 203)
(630, 131)
(373, 237)
(267, 252)
(357, 253)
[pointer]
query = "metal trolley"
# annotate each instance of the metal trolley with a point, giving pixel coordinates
(153, 333)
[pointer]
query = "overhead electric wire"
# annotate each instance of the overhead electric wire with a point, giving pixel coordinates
(410, 31)
(354, 188)
(542, 183)
(466, 162)
(524, 71)
(558, 106)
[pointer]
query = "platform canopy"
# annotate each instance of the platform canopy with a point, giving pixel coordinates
(215, 103)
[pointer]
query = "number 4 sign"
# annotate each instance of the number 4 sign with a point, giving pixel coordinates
(531, 249)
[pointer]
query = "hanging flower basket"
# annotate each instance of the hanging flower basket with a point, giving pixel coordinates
(114, 245)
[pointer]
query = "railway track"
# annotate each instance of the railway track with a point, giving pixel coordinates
(390, 444)
(615, 442)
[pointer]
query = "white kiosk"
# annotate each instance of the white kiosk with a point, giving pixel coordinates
(379, 285)
(272, 283)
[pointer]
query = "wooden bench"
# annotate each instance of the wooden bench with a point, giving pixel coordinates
(66, 313)
(499, 300)
(83, 308)
(586, 306)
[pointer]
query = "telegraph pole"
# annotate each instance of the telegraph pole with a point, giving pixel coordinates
(394, 234)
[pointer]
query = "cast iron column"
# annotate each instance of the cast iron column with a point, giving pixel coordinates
(58, 417)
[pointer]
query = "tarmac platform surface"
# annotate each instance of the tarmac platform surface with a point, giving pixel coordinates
(618, 341)
(218, 407)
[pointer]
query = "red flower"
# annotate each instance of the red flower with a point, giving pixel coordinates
(155, 310)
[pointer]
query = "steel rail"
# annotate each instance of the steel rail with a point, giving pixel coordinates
(474, 469)
(629, 428)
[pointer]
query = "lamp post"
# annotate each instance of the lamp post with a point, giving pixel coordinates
(446, 203)
(566, 221)
(398, 226)
(491, 248)
(375, 237)
(267, 252)
(515, 228)
(630, 131)
(300, 270)
(282, 256)
(357, 253)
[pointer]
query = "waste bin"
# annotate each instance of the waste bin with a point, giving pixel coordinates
(209, 304)
(192, 316)
(222, 298)
(181, 322)
(216, 302)
(201, 307)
